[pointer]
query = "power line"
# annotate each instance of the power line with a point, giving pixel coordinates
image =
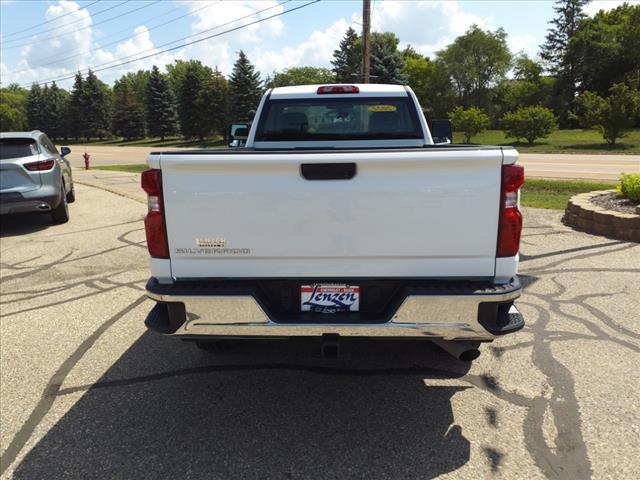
(88, 26)
(149, 29)
(96, 67)
(50, 20)
(260, 20)
(61, 26)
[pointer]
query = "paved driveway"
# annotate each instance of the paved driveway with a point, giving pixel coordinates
(87, 392)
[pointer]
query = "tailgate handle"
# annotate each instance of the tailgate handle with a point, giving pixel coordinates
(328, 171)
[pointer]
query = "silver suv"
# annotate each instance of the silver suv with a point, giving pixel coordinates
(34, 176)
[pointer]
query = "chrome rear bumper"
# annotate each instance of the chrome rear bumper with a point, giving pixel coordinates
(447, 312)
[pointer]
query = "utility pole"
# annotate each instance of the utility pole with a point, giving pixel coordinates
(366, 40)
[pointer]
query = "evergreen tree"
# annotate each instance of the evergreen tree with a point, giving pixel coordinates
(245, 88)
(387, 63)
(96, 107)
(159, 106)
(347, 58)
(74, 115)
(559, 58)
(189, 89)
(213, 103)
(568, 16)
(128, 112)
(54, 111)
(34, 108)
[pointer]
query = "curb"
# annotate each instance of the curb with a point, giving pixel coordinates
(581, 214)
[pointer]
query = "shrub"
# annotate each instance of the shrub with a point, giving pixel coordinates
(470, 122)
(613, 115)
(529, 123)
(630, 186)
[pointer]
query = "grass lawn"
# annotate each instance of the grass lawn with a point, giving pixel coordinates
(560, 141)
(536, 193)
(131, 168)
(555, 194)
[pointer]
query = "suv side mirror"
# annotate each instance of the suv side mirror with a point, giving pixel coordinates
(441, 131)
(237, 134)
(64, 151)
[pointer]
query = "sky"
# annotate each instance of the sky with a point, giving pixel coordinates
(51, 40)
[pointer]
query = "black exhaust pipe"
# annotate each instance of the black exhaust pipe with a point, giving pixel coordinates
(464, 351)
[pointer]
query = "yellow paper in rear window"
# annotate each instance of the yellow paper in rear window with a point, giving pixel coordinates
(382, 108)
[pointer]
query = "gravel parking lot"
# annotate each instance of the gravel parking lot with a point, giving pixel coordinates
(87, 392)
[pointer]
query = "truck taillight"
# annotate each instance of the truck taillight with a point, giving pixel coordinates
(154, 223)
(510, 222)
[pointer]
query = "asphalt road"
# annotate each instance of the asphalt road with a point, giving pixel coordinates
(578, 166)
(87, 392)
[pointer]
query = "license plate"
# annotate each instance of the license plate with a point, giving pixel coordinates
(329, 298)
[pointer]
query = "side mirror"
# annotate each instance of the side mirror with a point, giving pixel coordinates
(64, 151)
(242, 133)
(441, 131)
(237, 134)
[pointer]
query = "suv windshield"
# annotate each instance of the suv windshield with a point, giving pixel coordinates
(17, 147)
(353, 118)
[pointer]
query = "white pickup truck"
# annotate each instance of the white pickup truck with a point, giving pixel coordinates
(341, 216)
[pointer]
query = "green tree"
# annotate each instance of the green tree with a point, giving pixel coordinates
(301, 76)
(54, 107)
(35, 102)
(128, 112)
(431, 84)
(529, 87)
(213, 104)
(159, 104)
(13, 108)
(177, 70)
(607, 47)
(96, 107)
(529, 123)
(191, 84)
(347, 59)
(477, 61)
(470, 121)
(137, 82)
(387, 63)
(613, 115)
(559, 59)
(75, 109)
(245, 88)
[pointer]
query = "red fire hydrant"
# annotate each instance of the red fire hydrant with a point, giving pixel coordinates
(86, 157)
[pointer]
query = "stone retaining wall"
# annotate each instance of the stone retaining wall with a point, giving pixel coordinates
(584, 215)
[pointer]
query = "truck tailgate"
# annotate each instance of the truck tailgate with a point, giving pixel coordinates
(405, 213)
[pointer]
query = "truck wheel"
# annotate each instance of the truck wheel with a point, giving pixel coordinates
(60, 214)
(215, 346)
(71, 196)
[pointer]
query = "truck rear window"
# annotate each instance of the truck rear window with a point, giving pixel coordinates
(353, 118)
(17, 147)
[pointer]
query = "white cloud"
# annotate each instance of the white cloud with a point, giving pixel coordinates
(428, 26)
(316, 51)
(525, 43)
(595, 6)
